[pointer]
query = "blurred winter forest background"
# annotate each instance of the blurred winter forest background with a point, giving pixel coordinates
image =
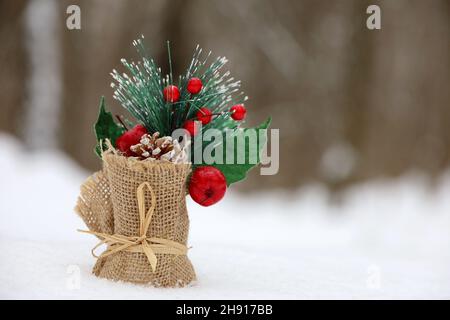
(351, 104)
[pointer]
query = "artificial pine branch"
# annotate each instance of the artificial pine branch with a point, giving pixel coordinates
(141, 92)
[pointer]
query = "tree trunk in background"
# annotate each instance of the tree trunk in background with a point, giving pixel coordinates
(41, 116)
(12, 64)
(409, 97)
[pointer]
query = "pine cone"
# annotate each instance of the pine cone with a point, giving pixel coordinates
(155, 148)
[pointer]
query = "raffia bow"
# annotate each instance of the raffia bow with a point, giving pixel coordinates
(149, 246)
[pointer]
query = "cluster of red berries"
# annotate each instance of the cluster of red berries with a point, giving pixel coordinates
(204, 115)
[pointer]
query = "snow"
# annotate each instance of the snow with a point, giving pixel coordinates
(384, 239)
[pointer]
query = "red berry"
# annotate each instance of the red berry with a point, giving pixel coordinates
(129, 138)
(238, 112)
(204, 115)
(171, 93)
(194, 85)
(207, 185)
(192, 127)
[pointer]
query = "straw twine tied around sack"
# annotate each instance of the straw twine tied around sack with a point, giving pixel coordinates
(141, 243)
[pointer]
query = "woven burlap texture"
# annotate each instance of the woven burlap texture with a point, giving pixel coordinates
(108, 204)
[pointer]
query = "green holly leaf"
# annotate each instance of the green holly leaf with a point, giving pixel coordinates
(106, 127)
(236, 172)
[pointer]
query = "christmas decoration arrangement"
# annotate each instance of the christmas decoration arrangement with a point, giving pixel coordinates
(136, 205)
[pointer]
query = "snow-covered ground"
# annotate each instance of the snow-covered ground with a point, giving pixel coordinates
(385, 239)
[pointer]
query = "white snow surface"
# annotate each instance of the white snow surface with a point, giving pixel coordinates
(387, 239)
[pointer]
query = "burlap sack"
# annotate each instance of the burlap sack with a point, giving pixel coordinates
(108, 204)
